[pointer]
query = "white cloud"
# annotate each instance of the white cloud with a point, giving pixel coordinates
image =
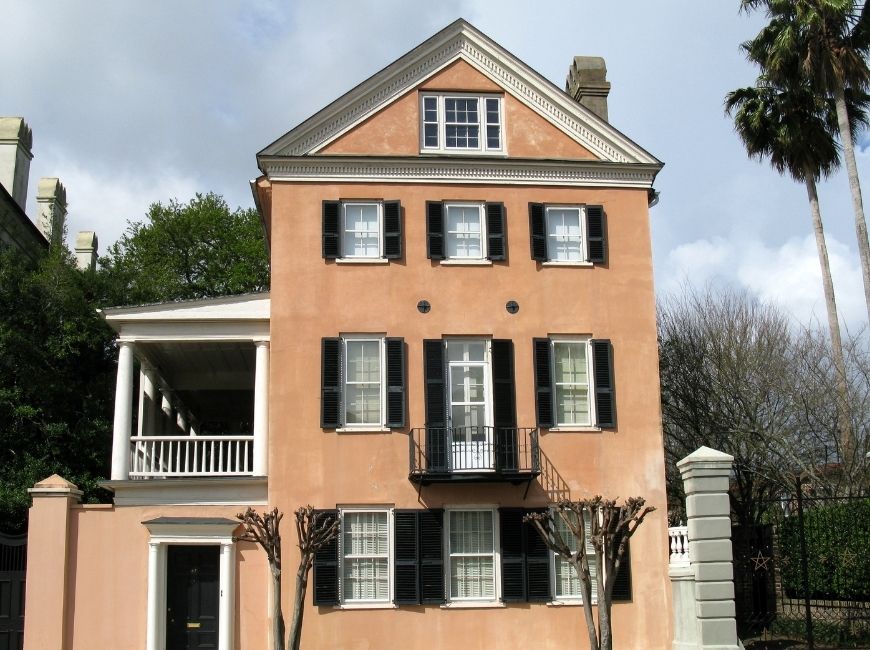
(786, 274)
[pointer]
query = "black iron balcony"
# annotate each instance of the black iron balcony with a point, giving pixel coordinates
(475, 454)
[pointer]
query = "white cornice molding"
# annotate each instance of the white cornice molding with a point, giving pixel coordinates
(459, 40)
(429, 170)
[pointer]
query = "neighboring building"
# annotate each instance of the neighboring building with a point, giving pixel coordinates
(16, 229)
(461, 328)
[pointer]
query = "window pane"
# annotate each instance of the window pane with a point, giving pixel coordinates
(472, 565)
(363, 361)
(464, 232)
(564, 236)
(366, 579)
(365, 551)
(472, 577)
(362, 393)
(466, 383)
(361, 230)
(466, 350)
(570, 362)
(430, 135)
(471, 531)
(469, 416)
(572, 405)
(363, 404)
(567, 582)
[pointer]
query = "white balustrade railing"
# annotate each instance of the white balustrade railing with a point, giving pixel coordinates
(191, 456)
(678, 538)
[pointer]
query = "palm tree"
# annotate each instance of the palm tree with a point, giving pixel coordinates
(823, 43)
(794, 127)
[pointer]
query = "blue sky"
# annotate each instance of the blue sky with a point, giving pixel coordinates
(135, 102)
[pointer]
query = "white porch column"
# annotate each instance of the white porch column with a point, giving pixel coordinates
(226, 607)
(153, 631)
(149, 405)
(123, 413)
(261, 410)
(167, 420)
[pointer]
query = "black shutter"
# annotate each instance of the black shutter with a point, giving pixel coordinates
(395, 352)
(496, 235)
(436, 405)
(596, 239)
(605, 391)
(543, 384)
(392, 230)
(622, 584)
(431, 556)
(538, 564)
(326, 566)
(538, 231)
(407, 560)
(504, 405)
(331, 230)
(434, 230)
(513, 569)
(330, 383)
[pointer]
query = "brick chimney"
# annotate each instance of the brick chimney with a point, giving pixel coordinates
(51, 209)
(86, 250)
(587, 83)
(16, 144)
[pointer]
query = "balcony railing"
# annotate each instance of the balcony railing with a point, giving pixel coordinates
(678, 542)
(166, 456)
(473, 454)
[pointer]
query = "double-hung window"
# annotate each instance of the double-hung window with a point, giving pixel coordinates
(365, 556)
(362, 382)
(567, 234)
(465, 231)
(574, 386)
(566, 583)
(461, 123)
(472, 566)
(362, 230)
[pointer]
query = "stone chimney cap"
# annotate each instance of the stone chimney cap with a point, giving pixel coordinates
(587, 83)
(86, 239)
(15, 129)
(589, 69)
(51, 188)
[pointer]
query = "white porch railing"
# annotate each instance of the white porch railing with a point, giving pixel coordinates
(678, 538)
(191, 456)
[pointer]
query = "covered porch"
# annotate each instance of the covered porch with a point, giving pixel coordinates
(192, 392)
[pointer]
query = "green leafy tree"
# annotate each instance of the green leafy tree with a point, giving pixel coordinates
(795, 128)
(187, 250)
(57, 369)
(822, 45)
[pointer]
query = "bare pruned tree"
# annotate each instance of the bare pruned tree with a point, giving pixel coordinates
(607, 526)
(313, 531)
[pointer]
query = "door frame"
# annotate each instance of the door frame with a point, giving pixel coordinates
(183, 531)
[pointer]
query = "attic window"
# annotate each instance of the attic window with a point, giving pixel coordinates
(461, 123)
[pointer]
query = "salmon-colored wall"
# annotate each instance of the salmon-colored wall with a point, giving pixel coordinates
(395, 130)
(107, 579)
(313, 298)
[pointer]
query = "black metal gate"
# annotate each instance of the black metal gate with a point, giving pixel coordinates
(13, 564)
(802, 579)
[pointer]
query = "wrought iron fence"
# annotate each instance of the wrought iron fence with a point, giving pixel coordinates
(474, 449)
(13, 564)
(804, 574)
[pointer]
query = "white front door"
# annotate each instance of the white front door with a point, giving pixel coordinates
(469, 405)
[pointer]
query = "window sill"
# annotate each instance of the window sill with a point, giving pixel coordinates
(470, 262)
(491, 153)
(362, 260)
(569, 602)
(471, 604)
(582, 265)
(571, 429)
(366, 606)
(371, 429)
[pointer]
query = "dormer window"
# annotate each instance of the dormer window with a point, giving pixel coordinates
(461, 123)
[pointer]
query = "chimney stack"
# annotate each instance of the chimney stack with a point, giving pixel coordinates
(587, 83)
(16, 144)
(51, 205)
(86, 250)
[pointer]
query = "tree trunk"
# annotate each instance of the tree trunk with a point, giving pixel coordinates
(855, 188)
(298, 607)
(847, 450)
(277, 615)
(605, 632)
(587, 604)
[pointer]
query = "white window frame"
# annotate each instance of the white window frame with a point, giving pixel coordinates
(483, 234)
(574, 599)
(581, 214)
(496, 556)
(379, 205)
(482, 148)
(590, 386)
(388, 601)
(363, 426)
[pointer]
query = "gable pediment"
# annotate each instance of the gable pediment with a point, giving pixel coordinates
(460, 42)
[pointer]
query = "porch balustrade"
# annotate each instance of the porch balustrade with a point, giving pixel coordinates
(181, 456)
(678, 543)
